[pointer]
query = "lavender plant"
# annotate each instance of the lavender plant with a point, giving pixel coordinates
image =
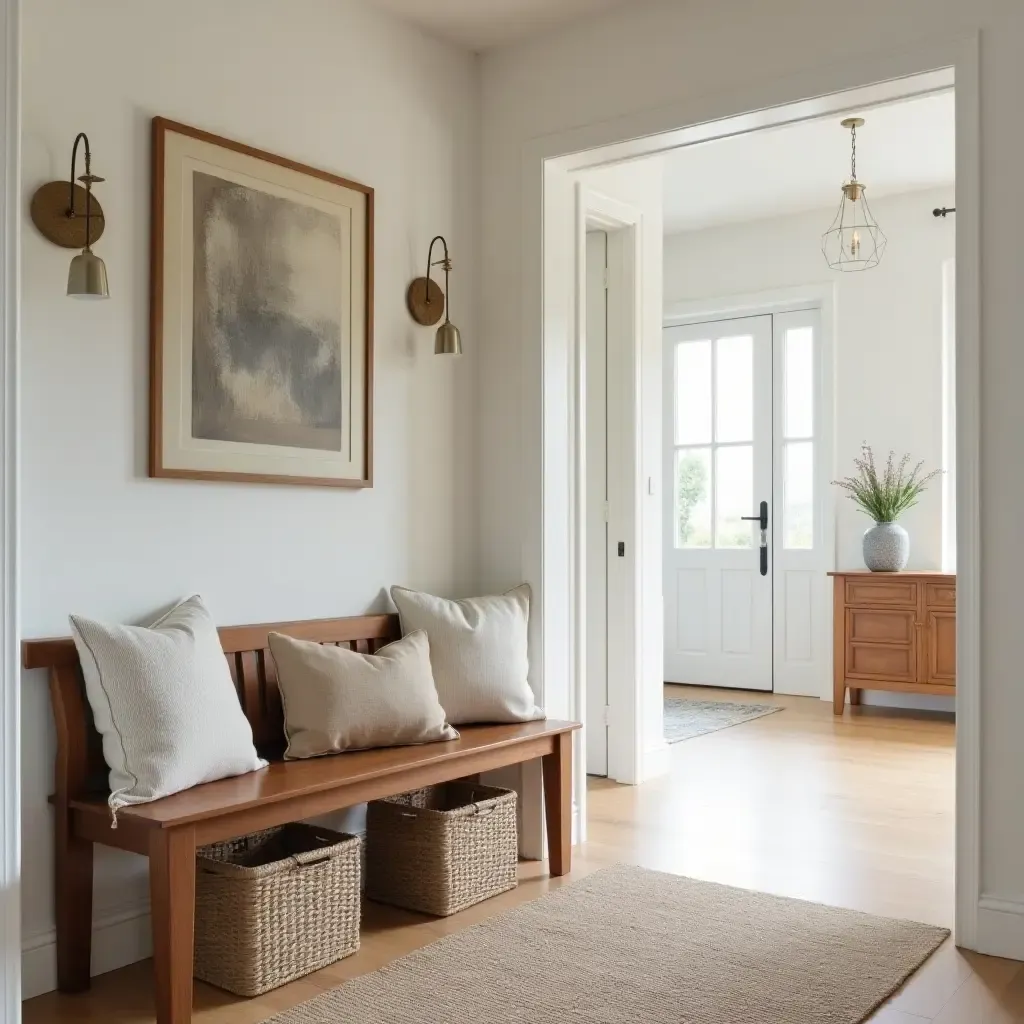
(885, 498)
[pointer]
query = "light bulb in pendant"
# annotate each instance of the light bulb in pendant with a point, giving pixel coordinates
(855, 245)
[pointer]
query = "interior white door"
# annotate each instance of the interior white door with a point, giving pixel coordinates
(803, 536)
(719, 454)
(596, 455)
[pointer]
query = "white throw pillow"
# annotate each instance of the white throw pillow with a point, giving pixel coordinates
(478, 650)
(336, 700)
(164, 703)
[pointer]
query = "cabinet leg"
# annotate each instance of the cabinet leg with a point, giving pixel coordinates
(854, 696)
(838, 697)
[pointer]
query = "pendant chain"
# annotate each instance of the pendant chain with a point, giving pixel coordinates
(853, 153)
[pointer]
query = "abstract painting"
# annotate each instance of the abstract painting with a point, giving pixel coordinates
(261, 341)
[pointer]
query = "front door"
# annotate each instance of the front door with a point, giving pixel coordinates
(746, 549)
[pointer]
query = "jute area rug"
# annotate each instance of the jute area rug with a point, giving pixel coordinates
(685, 719)
(631, 946)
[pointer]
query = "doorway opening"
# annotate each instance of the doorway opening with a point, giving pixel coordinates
(765, 385)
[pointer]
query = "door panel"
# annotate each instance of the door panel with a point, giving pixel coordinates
(718, 467)
(802, 541)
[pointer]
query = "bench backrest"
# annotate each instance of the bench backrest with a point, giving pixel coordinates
(80, 765)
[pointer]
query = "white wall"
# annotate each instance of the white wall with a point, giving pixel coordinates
(640, 63)
(887, 345)
(335, 85)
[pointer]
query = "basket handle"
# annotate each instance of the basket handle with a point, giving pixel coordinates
(483, 809)
(303, 864)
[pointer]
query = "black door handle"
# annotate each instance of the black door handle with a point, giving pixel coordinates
(762, 519)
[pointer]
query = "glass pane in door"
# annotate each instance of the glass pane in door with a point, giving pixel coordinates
(693, 393)
(798, 392)
(734, 389)
(798, 495)
(734, 496)
(693, 498)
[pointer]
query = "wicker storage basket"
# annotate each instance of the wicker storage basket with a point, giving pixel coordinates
(441, 849)
(275, 905)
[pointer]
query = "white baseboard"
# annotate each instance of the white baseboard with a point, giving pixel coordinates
(119, 938)
(1001, 927)
(657, 761)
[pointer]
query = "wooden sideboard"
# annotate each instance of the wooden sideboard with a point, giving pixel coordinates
(893, 631)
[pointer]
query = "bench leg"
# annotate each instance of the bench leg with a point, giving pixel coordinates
(172, 891)
(73, 899)
(557, 768)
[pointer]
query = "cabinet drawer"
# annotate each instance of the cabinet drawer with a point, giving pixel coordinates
(880, 626)
(882, 662)
(940, 595)
(884, 592)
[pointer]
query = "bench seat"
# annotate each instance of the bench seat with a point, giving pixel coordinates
(276, 794)
(170, 830)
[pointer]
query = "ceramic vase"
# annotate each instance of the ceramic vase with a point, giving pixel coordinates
(886, 547)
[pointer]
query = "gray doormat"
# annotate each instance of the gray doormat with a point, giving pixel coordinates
(685, 719)
(629, 946)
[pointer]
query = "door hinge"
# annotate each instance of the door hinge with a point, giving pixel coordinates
(605, 275)
(607, 512)
(606, 715)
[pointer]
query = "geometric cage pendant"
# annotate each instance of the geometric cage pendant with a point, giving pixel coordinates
(854, 241)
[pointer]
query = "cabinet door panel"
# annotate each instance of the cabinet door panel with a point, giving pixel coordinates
(942, 647)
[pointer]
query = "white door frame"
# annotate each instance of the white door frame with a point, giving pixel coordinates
(549, 437)
(821, 296)
(622, 224)
(10, 671)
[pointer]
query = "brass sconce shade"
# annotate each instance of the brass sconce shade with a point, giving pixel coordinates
(854, 241)
(69, 215)
(427, 302)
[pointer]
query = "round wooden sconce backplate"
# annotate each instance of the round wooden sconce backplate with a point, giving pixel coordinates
(425, 300)
(49, 212)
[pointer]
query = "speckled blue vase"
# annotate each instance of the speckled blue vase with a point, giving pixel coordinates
(886, 547)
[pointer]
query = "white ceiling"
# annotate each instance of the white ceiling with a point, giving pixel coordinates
(483, 24)
(902, 147)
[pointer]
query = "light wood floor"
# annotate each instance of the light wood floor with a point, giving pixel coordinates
(856, 812)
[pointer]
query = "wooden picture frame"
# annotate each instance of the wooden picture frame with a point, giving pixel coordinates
(261, 316)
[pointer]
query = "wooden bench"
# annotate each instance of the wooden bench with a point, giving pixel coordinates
(168, 831)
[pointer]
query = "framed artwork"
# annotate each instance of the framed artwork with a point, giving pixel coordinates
(261, 364)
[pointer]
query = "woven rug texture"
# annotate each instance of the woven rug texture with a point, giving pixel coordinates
(631, 946)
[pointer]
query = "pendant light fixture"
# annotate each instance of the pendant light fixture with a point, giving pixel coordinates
(854, 241)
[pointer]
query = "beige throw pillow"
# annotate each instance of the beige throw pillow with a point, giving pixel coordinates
(478, 650)
(336, 700)
(164, 703)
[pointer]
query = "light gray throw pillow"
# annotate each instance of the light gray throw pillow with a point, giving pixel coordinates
(337, 700)
(164, 703)
(478, 650)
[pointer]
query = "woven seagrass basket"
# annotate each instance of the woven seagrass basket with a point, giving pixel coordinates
(275, 905)
(442, 849)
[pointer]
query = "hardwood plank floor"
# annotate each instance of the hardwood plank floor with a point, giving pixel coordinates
(855, 812)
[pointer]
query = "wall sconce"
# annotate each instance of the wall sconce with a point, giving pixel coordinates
(69, 215)
(427, 302)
